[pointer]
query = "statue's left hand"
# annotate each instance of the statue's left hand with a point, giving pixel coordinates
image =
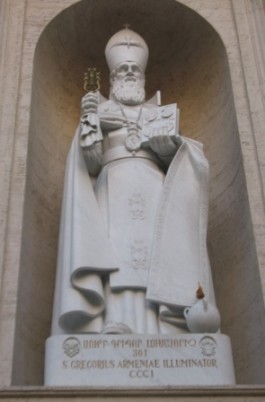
(162, 144)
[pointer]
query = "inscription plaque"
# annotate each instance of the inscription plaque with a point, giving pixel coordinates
(138, 360)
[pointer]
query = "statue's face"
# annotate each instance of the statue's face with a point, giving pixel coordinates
(127, 84)
(128, 71)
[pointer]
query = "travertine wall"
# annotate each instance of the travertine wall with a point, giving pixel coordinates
(206, 55)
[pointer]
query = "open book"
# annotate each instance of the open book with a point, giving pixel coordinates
(160, 120)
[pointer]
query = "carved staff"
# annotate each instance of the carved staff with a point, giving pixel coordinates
(90, 126)
(92, 80)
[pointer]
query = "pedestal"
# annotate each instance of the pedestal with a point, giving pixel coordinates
(138, 360)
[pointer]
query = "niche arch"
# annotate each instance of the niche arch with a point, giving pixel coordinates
(188, 63)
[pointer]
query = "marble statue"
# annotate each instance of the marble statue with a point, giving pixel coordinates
(132, 246)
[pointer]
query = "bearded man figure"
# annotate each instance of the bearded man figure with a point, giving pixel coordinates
(132, 244)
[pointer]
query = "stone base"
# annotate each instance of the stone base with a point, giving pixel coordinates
(138, 360)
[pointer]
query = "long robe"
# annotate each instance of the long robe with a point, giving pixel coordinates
(166, 264)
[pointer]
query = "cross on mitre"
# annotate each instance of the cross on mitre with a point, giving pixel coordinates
(126, 45)
(128, 39)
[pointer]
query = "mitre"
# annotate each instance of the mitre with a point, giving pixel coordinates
(126, 45)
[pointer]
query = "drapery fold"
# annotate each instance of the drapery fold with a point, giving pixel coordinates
(180, 259)
(84, 252)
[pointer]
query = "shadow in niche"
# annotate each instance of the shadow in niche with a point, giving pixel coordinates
(189, 64)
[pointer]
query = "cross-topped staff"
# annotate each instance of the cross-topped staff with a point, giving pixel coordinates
(91, 80)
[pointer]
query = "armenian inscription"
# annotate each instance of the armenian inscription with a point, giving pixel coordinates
(137, 360)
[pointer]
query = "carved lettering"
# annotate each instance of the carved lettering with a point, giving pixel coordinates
(188, 363)
(141, 373)
(65, 364)
(92, 364)
(138, 364)
(170, 343)
(126, 343)
(95, 344)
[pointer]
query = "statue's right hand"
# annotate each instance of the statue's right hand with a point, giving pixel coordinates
(89, 103)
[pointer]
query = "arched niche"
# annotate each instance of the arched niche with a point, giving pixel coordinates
(188, 63)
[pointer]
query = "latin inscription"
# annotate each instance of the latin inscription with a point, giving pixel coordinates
(139, 358)
(138, 364)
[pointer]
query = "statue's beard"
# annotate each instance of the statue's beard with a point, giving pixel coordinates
(128, 92)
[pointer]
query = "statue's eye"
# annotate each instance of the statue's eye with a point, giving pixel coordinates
(135, 69)
(123, 69)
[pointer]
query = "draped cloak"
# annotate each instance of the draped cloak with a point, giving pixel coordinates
(178, 261)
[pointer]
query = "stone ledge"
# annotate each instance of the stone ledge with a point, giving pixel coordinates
(197, 394)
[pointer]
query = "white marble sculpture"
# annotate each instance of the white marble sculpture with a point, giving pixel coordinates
(132, 244)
